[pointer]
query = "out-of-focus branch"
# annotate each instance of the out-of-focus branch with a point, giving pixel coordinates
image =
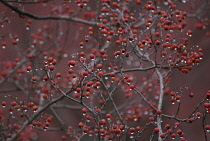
(23, 61)
(9, 90)
(33, 16)
(58, 117)
(204, 7)
(29, 2)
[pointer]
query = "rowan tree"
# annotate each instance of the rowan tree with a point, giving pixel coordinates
(104, 70)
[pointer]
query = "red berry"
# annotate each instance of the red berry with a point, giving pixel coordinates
(112, 74)
(159, 112)
(207, 127)
(85, 73)
(33, 79)
(71, 63)
(191, 94)
(99, 66)
(108, 115)
(63, 137)
(81, 124)
(156, 130)
(35, 108)
(162, 135)
(84, 110)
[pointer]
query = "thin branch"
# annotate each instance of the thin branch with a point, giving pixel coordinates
(203, 124)
(111, 99)
(141, 131)
(138, 92)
